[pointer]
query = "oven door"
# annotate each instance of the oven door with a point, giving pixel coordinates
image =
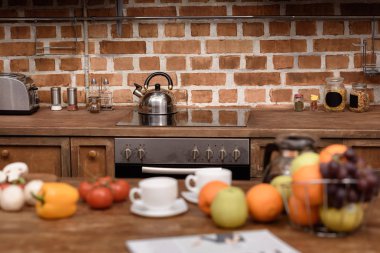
(123, 170)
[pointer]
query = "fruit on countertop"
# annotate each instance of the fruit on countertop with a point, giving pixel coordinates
(301, 213)
(120, 190)
(331, 152)
(345, 219)
(100, 197)
(264, 202)
(283, 184)
(229, 208)
(207, 194)
(306, 185)
(306, 158)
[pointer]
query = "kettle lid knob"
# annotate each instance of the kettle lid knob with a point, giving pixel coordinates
(157, 87)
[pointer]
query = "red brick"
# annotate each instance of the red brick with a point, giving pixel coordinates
(229, 46)
(282, 46)
(19, 65)
(177, 47)
(228, 96)
(253, 29)
(257, 78)
(98, 63)
(306, 28)
(332, 27)
(168, 11)
(1, 65)
(20, 32)
(360, 9)
(206, 79)
(91, 47)
(148, 30)
(180, 96)
(307, 78)
(359, 77)
(322, 9)
(308, 92)
(309, 62)
(371, 58)
(229, 62)
(176, 63)
(44, 96)
(201, 116)
(71, 31)
(360, 27)
(283, 62)
(279, 28)
(254, 95)
(228, 117)
(43, 64)
(258, 10)
(201, 96)
(224, 29)
(174, 30)
(201, 62)
(72, 47)
(2, 33)
(71, 64)
(337, 61)
(122, 47)
(17, 49)
(150, 63)
(126, 31)
(115, 79)
(203, 11)
(97, 31)
(325, 45)
(141, 77)
(200, 29)
(122, 96)
(256, 62)
(46, 13)
(280, 95)
(52, 80)
(46, 32)
(123, 63)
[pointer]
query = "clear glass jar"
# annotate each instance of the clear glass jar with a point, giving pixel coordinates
(94, 104)
(335, 94)
(298, 103)
(359, 98)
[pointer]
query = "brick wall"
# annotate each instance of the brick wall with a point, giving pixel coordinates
(212, 62)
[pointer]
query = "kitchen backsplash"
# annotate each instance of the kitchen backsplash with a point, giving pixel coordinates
(243, 62)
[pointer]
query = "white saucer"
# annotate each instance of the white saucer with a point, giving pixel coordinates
(178, 207)
(192, 197)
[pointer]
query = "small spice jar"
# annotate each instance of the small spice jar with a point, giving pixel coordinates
(94, 104)
(359, 98)
(335, 94)
(298, 103)
(314, 103)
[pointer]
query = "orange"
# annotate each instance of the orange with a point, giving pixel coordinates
(307, 186)
(264, 202)
(208, 193)
(300, 214)
(328, 153)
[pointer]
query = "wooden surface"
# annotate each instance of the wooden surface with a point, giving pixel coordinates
(262, 123)
(107, 231)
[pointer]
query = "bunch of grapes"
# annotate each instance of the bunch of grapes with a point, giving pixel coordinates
(351, 181)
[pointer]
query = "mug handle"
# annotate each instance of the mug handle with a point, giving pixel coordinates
(132, 194)
(188, 185)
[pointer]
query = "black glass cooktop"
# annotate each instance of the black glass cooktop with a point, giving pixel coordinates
(189, 118)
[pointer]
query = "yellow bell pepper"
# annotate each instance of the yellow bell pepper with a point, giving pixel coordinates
(56, 200)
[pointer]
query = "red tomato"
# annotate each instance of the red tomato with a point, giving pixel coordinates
(99, 197)
(120, 190)
(104, 180)
(84, 188)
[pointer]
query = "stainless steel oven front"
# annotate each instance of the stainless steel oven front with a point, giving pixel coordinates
(177, 157)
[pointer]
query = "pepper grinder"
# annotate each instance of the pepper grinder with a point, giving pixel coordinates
(72, 103)
(55, 93)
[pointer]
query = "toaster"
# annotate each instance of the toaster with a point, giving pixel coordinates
(18, 94)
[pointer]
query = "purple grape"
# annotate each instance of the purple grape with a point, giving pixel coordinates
(353, 196)
(362, 185)
(333, 167)
(350, 155)
(351, 169)
(340, 197)
(332, 189)
(323, 167)
(342, 173)
(372, 181)
(360, 164)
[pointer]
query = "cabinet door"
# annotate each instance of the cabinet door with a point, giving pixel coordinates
(42, 155)
(368, 149)
(92, 157)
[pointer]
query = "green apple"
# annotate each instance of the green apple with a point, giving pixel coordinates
(283, 185)
(307, 158)
(229, 208)
(346, 219)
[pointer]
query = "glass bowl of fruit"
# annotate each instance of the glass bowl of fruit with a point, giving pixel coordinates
(331, 198)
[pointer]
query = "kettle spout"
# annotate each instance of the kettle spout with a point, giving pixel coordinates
(138, 92)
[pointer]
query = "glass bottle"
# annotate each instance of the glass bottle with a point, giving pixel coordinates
(359, 98)
(335, 94)
(298, 103)
(314, 103)
(106, 96)
(94, 104)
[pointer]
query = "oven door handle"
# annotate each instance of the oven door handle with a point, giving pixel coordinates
(177, 171)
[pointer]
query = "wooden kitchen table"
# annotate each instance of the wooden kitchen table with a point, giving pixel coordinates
(106, 231)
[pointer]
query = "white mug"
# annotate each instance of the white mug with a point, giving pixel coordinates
(194, 183)
(156, 192)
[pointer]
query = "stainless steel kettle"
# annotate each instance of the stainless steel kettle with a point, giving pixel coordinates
(157, 101)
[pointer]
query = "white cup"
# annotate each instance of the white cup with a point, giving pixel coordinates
(156, 192)
(194, 183)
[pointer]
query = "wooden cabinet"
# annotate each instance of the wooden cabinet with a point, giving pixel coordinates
(92, 157)
(368, 149)
(42, 155)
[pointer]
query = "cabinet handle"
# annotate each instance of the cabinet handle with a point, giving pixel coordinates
(5, 153)
(92, 154)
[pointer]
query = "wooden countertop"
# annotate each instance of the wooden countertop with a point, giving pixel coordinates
(106, 231)
(261, 123)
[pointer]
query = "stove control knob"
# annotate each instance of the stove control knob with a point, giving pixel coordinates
(195, 153)
(236, 154)
(141, 153)
(127, 153)
(209, 153)
(222, 154)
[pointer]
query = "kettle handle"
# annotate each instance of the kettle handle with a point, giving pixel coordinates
(269, 149)
(170, 81)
